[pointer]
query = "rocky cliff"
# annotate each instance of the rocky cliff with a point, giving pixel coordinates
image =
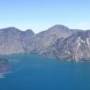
(13, 40)
(58, 41)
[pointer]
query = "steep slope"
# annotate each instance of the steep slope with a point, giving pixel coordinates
(12, 40)
(76, 47)
(42, 41)
(58, 41)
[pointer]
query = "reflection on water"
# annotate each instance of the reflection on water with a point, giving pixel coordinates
(2, 75)
(4, 66)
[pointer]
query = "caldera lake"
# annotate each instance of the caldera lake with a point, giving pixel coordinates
(34, 72)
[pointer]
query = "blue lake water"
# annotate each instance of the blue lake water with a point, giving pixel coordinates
(31, 72)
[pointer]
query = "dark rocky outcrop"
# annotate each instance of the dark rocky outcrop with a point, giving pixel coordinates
(4, 65)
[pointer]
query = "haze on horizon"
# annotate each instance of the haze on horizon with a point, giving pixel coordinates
(39, 15)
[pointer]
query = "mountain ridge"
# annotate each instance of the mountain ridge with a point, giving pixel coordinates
(57, 41)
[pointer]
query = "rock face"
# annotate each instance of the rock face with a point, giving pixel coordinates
(75, 47)
(58, 41)
(12, 40)
(43, 40)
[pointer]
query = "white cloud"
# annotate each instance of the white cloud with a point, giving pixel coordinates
(82, 25)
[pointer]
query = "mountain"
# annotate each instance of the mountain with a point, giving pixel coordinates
(58, 41)
(12, 40)
(75, 47)
(43, 40)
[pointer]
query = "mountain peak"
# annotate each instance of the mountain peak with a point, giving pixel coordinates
(29, 31)
(58, 27)
(10, 29)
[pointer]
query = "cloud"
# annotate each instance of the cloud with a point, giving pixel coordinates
(82, 25)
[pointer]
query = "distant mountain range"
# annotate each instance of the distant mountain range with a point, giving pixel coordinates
(58, 41)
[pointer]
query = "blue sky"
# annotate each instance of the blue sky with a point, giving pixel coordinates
(41, 14)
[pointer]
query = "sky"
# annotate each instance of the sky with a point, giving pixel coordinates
(39, 15)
